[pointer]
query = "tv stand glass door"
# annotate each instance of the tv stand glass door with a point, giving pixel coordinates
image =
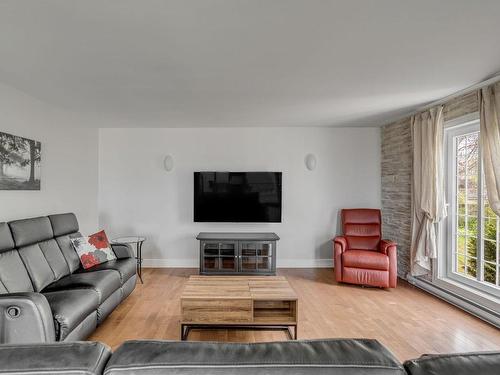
(220, 257)
(256, 257)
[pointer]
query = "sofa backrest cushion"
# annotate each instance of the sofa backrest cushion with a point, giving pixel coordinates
(41, 255)
(69, 251)
(6, 240)
(65, 227)
(45, 263)
(75, 358)
(343, 356)
(64, 224)
(30, 231)
(13, 274)
(485, 363)
(37, 266)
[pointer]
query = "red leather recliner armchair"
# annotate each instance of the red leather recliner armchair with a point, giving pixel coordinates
(360, 254)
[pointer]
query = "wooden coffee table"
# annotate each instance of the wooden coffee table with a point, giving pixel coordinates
(239, 302)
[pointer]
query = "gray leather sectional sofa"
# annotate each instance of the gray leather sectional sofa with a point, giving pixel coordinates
(45, 295)
(318, 357)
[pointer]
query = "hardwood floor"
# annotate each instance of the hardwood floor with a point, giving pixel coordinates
(407, 320)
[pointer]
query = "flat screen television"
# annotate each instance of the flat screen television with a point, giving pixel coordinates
(251, 197)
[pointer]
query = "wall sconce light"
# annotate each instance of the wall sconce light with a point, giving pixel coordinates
(310, 161)
(168, 163)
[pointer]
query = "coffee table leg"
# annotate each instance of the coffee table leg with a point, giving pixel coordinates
(184, 332)
(292, 335)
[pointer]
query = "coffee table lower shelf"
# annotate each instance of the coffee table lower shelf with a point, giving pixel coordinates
(292, 334)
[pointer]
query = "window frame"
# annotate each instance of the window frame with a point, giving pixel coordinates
(447, 263)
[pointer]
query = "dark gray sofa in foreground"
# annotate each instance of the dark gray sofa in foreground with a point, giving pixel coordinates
(45, 295)
(318, 357)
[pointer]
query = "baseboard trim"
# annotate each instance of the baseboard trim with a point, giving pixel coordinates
(170, 263)
(483, 313)
(304, 263)
(194, 263)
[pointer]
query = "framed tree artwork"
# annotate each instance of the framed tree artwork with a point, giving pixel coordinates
(20, 160)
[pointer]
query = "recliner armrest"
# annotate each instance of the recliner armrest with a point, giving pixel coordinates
(123, 250)
(25, 318)
(385, 245)
(342, 241)
(339, 246)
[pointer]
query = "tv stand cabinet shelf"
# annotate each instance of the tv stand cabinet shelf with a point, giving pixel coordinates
(237, 253)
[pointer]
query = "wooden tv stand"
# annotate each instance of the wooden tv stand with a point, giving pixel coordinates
(237, 253)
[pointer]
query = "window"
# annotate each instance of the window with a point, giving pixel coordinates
(472, 229)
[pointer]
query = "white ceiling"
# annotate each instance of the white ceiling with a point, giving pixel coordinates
(246, 62)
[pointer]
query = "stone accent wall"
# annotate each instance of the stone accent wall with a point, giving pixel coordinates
(396, 189)
(396, 173)
(461, 106)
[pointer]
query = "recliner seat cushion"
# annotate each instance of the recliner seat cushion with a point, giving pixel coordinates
(126, 268)
(104, 283)
(367, 259)
(70, 308)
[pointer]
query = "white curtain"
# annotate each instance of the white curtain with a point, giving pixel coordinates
(428, 195)
(489, 108)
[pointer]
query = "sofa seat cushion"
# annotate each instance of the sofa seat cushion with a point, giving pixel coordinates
(126, 268)
(104, 283)
(70, 308)
(367, 259)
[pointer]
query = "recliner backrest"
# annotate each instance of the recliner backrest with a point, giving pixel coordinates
(65, 226)
(362, 228)
(13, 274)
(39, 251)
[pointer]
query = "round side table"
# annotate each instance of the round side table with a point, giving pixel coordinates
(138, 241)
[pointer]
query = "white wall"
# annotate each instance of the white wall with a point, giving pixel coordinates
(69, 160)
(137, 196)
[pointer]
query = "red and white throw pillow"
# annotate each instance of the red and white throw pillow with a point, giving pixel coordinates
(94, 249)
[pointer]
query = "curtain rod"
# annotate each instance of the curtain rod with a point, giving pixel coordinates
(467, 90)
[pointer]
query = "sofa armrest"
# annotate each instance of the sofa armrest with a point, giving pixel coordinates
(484, 363)
(25, 317)
(63, 358)
(385, 245)
(123, 250)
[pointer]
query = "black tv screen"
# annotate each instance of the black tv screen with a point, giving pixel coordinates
(237, 197)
